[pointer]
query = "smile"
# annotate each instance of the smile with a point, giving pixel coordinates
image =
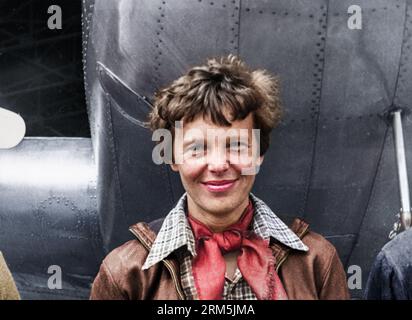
(219, 186)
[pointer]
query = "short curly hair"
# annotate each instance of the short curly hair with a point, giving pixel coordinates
(222, 88)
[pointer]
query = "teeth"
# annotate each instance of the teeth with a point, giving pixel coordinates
(220, 184)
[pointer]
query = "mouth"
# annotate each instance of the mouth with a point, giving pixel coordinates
(219, 185)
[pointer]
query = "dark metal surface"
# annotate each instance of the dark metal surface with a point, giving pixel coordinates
(48, 215)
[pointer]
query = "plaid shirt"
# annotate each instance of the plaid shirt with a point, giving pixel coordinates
(176, 236)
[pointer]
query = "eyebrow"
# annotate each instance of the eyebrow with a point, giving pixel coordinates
(239, 137)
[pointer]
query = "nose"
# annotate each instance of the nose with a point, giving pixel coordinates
(217, 160)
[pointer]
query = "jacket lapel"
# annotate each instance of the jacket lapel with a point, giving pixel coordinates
(280, 251)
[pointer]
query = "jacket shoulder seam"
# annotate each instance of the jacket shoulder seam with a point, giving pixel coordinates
(328, 268)
(110, 275)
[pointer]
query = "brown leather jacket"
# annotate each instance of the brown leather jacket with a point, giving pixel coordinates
(316, 274)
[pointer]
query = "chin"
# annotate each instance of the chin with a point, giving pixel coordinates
(220, 205)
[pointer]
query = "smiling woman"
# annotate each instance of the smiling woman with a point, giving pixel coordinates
(220, 241)
(8, 290)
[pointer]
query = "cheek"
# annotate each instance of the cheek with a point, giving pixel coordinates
(248, 179)
(191, 171)
(240, 166)
(245, 179)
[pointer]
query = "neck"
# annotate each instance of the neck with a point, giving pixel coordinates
(216, 221)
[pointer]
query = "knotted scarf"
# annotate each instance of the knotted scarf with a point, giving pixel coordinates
(255, 261)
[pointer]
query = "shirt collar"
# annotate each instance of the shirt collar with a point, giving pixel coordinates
(176, 231)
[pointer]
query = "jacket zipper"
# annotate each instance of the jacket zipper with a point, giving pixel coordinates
(303, 233)
(167, 264)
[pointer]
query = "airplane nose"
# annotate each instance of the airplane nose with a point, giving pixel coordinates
(12, 129)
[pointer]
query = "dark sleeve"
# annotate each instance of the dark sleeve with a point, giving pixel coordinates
(385, 280)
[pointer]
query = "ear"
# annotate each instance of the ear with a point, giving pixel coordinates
(174, 167)
(259, 160)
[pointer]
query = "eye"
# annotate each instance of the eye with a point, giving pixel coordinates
(238, 145)
(196, 146)
(196, 149)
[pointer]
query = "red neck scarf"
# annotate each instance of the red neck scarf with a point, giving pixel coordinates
(255, 261)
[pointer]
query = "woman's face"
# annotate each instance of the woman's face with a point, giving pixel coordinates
(214, 163)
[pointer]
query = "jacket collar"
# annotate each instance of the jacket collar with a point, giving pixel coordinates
(175, 231)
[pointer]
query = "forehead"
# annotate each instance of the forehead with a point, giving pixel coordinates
(204, 124)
